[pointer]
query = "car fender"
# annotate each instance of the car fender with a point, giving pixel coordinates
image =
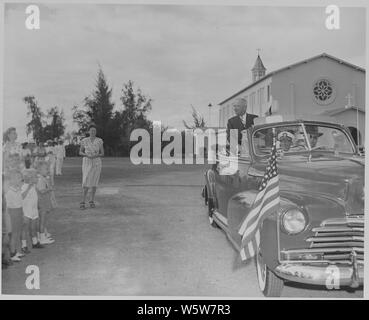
(210, 188)
(316, 208)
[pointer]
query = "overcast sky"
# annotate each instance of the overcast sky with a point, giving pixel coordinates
(177, 55)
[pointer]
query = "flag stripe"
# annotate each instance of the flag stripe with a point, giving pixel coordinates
(256, 210)
(273, 181)
(266, 202)
(257, 237)
(251, 249)
(243, 254)
(272, 195)
(260, 195)
(265, 210)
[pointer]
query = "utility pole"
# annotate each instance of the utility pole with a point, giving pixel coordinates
(210, 106)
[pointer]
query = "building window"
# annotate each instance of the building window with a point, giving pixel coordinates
(268, 92)
(324, 91)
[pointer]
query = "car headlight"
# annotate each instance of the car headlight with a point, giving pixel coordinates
(293, 221)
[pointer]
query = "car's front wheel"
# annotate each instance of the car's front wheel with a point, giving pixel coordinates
(269, 283)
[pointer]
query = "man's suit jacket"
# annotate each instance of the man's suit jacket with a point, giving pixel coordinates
(236, 123)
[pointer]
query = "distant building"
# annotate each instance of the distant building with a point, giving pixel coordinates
(321, 86)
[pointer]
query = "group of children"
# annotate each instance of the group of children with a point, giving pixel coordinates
(28, 199)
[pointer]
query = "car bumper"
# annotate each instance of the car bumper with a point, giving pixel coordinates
(327, 274)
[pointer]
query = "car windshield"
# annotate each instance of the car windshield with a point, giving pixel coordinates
(301, 138)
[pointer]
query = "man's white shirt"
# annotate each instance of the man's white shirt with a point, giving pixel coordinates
(60, 151)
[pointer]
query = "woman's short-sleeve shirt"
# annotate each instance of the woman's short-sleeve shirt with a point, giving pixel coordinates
(92, 147)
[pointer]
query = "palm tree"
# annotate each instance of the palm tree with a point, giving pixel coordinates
(198, 120)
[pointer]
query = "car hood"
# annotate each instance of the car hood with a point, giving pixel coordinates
(338, 178)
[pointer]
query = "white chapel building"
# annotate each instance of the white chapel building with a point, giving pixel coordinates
(321, 86)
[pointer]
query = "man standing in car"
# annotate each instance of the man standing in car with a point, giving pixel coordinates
(241, 121)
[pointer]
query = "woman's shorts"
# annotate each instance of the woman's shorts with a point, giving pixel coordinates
(7, 227)
(16, 218)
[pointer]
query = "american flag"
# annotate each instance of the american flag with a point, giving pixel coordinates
(265, 203)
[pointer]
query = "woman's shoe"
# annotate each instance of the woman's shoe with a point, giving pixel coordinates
(15, 258)
(44, 240)
(92, 204)
(38, 245)
(6, 263)
(25, 250)
(82, 206)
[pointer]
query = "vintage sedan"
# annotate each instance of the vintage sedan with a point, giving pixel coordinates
(317, 234)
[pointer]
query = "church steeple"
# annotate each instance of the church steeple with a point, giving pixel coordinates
(258, 71)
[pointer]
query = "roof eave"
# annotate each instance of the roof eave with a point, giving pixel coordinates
(249, 86)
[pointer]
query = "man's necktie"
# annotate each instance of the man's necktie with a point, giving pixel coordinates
(243, 120)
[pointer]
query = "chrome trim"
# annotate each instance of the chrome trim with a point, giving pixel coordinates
(349, 275)
(323, 245)
(339, 239)
(348, 249)
(302, 262)
(337, 229)
(347, 220)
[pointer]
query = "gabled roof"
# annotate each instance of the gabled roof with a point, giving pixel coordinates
(323, 55)
(336, 111)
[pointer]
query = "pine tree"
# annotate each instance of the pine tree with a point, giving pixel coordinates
(136, 107)
(98, 109)
(56, 128)
(35, 126)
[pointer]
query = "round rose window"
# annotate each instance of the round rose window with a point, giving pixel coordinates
(324, 91)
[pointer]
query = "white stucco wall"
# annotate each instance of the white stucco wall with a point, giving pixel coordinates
(294, 86)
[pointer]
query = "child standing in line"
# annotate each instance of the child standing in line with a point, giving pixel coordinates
(6, 231)
(30, 212)
(14, 198)
(51, 159)
(44, 190)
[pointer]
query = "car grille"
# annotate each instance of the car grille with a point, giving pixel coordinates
(338, 239)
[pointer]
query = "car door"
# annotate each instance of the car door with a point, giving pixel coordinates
(237, 207)
(226, 178)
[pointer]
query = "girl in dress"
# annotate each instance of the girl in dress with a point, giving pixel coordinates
(14, 202)
(30, 212)
(91, 150)
(45, 207)
(11, 148)
(51, 158)
(6, 234)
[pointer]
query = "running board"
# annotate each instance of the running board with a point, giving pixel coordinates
(223, 224)
(220, 218)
